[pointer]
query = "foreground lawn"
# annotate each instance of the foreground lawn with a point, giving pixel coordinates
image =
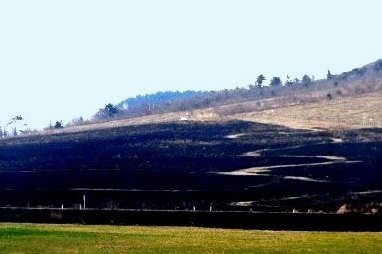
(45, 238)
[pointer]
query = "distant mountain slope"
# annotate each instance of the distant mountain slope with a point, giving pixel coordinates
(348, 100)
(350, 112)
(149, 102)
(353, 83)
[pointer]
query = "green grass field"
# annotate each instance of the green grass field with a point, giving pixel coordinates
(47, 238)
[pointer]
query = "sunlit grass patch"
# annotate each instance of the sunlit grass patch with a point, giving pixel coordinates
(48, 238)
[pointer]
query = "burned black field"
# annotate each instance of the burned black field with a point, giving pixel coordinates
(227, 166)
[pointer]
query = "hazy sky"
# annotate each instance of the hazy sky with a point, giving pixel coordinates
(65, 59)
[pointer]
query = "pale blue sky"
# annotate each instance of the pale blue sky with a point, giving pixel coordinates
(65, 59)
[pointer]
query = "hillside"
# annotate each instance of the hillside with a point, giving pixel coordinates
(350, 112)
(222, 157)
(363, 111)
(347, 100)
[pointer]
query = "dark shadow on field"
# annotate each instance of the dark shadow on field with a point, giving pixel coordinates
(141, 147)
(233, 165)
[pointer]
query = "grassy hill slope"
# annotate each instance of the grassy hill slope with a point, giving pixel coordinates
(351, 112)
(346, 101)
(345, 112)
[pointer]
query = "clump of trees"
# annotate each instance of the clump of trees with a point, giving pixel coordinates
(58, 125)
(163, 102)
(109, 112)
(306, 80)
(275, 81)
(378, 65)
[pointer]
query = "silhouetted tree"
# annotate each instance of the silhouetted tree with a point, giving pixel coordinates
(306, 80)
(58, 125)
(288, 81)
(259, 80)
(110, 110)
(329, 75)
(275, 81)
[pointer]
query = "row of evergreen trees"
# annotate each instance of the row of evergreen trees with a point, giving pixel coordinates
(163, 102)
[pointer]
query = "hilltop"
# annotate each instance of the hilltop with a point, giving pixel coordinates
(345, 101)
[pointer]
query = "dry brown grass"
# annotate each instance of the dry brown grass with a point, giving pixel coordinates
(351, 112)
(343, 113)
(203, 115)
(356, 106)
